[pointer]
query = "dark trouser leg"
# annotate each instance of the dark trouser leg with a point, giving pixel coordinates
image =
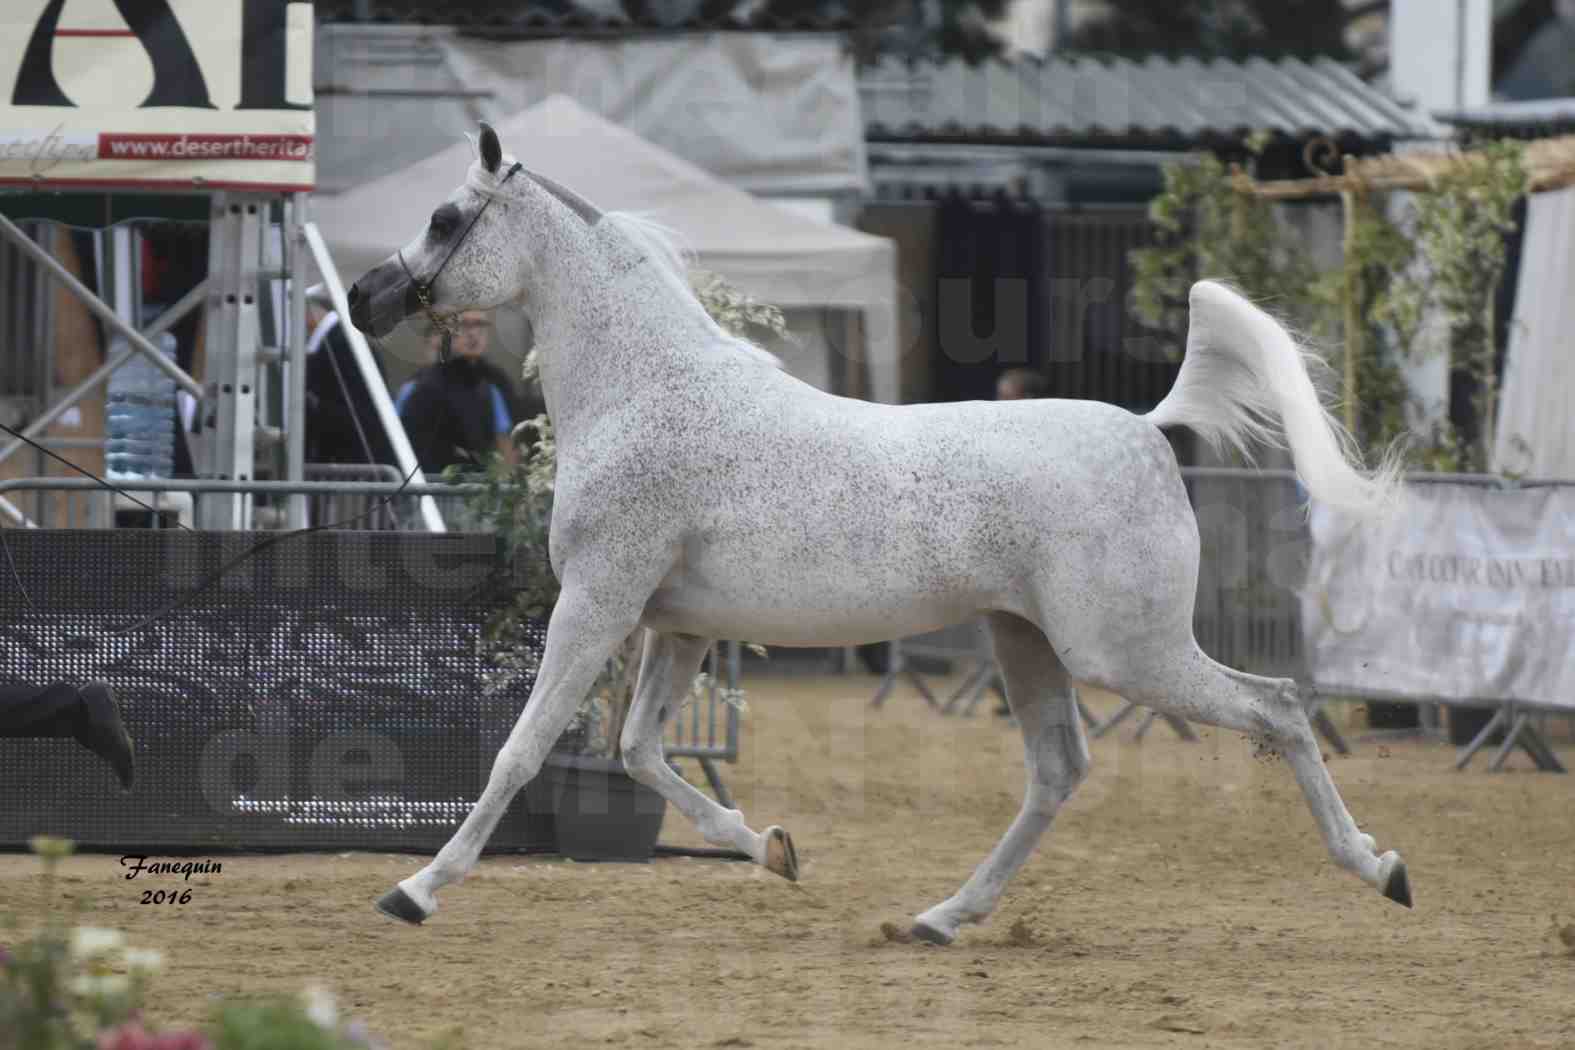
(42, 711)
(88, 715)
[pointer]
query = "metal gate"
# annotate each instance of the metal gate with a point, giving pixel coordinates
(1095, 350)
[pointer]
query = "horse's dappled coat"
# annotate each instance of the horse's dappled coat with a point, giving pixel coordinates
(701, 495)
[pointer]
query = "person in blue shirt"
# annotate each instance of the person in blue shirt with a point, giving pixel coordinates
(455, 412)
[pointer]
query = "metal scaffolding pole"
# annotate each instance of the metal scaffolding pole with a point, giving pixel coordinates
(295, 373)
(117, 324)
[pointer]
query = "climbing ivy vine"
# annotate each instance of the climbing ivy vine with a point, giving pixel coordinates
(1444, 255)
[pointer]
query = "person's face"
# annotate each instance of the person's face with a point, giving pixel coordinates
(470, 341)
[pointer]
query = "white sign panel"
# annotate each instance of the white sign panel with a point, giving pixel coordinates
(209, 94)
(1469, 594)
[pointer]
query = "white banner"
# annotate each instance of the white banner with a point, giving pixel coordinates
(1469, 594)
(209, 94)
(768, 113)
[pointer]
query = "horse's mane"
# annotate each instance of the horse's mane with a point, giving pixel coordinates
(671, 259)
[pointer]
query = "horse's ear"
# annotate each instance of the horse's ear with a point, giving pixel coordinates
(491, 150)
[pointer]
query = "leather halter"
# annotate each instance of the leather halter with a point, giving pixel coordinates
(445, 322)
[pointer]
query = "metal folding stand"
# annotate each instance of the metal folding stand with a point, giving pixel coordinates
(1518, 732)
(1322, 723)
(986, 675)
(896, 669)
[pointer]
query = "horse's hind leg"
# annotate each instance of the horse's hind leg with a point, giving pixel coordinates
(1041, 696)
(1184, 681)
(666, 669)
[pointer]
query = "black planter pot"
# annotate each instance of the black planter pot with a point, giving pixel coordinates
(600, 812)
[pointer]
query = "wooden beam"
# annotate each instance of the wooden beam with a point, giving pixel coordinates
(1550, 165)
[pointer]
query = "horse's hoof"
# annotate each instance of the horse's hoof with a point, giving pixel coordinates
(925, 932)
(397, 904)
(1397, 887)
(780, 855)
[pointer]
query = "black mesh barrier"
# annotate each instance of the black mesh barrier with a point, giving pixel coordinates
(325, 695)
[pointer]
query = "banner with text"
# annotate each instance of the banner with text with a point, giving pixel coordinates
(1468, 594)
(207, 94)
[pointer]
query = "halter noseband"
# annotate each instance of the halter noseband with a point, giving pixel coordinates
(445, 323)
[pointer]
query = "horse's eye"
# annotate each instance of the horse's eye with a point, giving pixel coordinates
(443, 221)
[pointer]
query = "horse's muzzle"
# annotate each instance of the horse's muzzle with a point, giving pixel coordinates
(381, 299)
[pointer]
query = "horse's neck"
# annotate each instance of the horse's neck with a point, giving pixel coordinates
(615, 334)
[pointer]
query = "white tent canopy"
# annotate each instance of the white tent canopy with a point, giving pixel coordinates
(774, 254)
(1535, 432)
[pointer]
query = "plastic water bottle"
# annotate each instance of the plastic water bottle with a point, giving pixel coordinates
(140, 417)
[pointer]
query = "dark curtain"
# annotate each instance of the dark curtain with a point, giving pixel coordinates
(987, 309)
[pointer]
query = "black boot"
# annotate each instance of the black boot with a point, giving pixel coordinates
(101, 731)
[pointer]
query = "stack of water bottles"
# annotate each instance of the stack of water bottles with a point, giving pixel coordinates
(140, 424)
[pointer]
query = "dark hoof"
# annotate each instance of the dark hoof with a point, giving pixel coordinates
(396, 904)
(781, 857)
(930, 935)
(1398, 888)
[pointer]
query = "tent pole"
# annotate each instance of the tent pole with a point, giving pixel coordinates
(375, 385)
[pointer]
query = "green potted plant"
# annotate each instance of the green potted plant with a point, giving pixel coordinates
(600, 812)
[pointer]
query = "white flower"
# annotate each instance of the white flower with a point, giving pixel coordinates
(320, 1006)
(100, 986)
(93, 942)
(144, 960)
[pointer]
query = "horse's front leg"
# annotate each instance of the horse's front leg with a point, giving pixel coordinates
(586, 626)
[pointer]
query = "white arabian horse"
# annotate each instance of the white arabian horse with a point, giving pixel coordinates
(702, 494)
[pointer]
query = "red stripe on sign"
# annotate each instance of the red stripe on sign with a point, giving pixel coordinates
(203, 147)
(187, 186)
(94, 32)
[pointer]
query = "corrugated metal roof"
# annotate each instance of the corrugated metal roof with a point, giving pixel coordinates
(1539, 117)
(1153, 102)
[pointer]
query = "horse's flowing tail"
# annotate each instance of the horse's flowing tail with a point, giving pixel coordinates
(1242, 371)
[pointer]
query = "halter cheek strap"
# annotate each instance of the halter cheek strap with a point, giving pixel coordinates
(445, 323)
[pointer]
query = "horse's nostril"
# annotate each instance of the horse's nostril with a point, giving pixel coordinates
(353, 295)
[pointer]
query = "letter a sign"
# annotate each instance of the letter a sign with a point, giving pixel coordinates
(204, 94)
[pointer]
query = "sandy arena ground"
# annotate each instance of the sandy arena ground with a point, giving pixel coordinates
(1183, 899)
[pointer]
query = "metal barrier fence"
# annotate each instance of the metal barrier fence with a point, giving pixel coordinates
(1254, 541)
(1255, 546)
(707, 730)
(334, 493)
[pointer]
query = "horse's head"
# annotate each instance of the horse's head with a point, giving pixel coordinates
(466, 257)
